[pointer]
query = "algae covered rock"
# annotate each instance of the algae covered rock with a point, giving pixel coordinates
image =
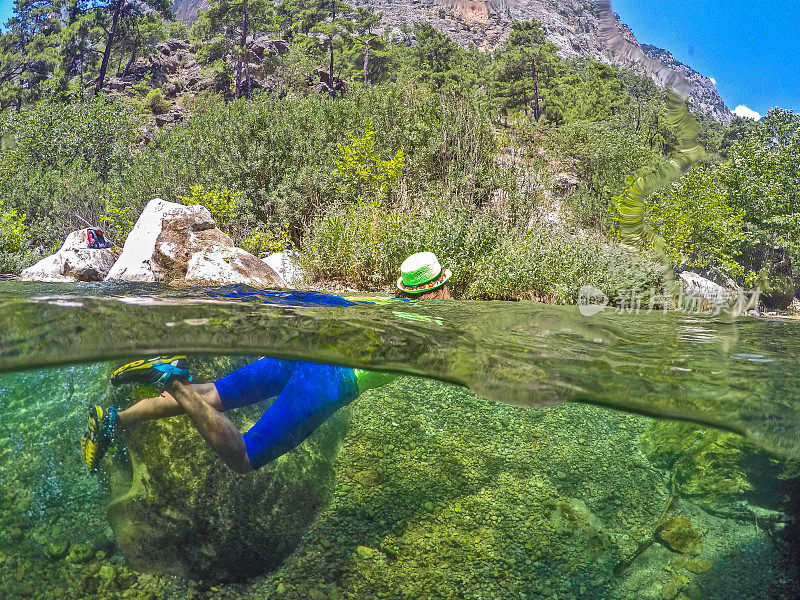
(178, 510)
(679, 535)
(722, 472)
(443, 494)
(699, 565)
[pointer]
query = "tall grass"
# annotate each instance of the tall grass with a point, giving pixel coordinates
(363, 246)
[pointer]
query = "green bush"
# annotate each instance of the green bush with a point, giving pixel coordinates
(13, 231)
(261, 243)
(364, 245)
(14, 251)
(155, 102)
(221, 203)
(57, 162)
(699, 227)
(550, 266)
(602, 154)
(280, 154)
(359, 169)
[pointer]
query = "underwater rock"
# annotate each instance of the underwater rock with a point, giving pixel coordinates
(57, 549)
(723, 472)
(679, 534)
(573, 516)
(74, 261)
(182, 512)
(699, 565)
(80, 553)
(173, 243)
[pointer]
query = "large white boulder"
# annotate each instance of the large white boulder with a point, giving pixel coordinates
(173, 243)
(285, 264)
(700, 287)
(74, 261)
(228, 264)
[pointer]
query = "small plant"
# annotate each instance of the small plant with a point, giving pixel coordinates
(156, 102)
(262, 242)
(360, 170)
(120, 218)
(141, 88)
(220, 202)
(13, 231)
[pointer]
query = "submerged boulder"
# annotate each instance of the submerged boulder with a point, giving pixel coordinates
(74, 261)
(680, 535)
(173, 243)
(722, 472)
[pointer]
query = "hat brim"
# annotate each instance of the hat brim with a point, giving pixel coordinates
(402, 288)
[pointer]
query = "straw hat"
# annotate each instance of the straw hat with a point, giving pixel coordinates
(421, 272)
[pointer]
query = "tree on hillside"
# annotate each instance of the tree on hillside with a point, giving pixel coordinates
(589, 91)
(363, 49)
(763, 178)
(338, 24)
(79, 54)
(234, 22)
(109, 17)
(435, 57)
(29, 50)
(139, 33)
(524, 68)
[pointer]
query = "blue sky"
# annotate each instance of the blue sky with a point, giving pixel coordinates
(5, 10)
(750, 48)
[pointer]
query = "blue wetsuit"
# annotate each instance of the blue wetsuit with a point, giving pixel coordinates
(307, 395)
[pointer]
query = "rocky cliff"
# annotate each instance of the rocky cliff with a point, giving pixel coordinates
(703, 95)
(186, 10)
(573, 25)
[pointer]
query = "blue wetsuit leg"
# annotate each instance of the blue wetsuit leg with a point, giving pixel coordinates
(313, 393)
(255, 382)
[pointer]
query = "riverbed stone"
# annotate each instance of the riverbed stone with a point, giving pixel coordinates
(57, 549)
(679, 535)
(699, 565)
(80, 553)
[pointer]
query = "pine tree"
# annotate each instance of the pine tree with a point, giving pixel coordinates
(235, 21)
(525, 68)
(110, 14)
(29, 51)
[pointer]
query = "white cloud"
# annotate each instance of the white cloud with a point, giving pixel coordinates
(747, 113)
(714, 81)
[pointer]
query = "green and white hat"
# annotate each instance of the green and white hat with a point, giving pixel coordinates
(421, 272)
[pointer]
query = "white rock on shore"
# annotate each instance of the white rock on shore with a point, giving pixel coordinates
(285, 265)
(74, 261)
(173, 243)
(699, 286)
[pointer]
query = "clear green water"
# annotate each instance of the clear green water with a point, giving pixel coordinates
(490, 469)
